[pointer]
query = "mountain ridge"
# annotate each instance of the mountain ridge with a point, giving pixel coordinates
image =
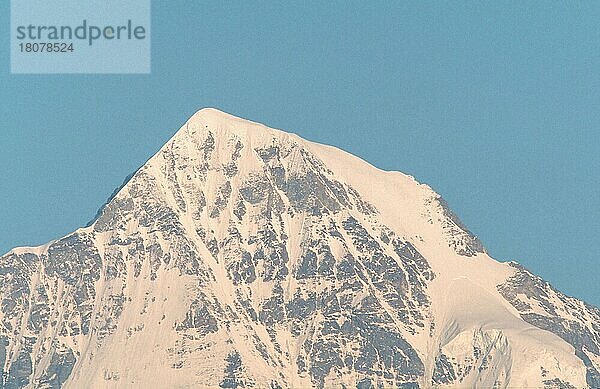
(278, 254)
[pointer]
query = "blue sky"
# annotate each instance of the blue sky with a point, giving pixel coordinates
(497, 107)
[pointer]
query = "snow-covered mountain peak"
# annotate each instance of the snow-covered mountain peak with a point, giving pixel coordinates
(223, 124)
(241, 255)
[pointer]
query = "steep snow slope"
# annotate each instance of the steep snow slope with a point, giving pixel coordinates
(241, 255)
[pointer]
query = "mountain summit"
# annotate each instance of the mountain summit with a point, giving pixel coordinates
(241, 255)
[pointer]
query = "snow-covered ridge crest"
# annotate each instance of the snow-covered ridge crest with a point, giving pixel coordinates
(241, 255)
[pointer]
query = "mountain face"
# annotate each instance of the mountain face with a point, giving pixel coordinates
(243, 256)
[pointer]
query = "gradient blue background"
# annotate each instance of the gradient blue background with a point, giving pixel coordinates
(496, 107)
